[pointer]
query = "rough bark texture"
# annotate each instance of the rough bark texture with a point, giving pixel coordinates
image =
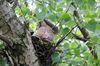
(18, 45)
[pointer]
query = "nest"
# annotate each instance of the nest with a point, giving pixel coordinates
(43, 52)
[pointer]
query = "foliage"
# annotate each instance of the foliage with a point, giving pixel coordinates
(73, 52)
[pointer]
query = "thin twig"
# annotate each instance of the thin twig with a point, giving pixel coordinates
(62, 38)
(59, 41)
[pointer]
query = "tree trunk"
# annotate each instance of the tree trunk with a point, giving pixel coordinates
(19, 49)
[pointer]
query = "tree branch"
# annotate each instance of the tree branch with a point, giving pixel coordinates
(62, 38)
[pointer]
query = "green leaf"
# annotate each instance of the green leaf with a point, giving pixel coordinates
(55, 57)
(40, 12)
(91, 25)
(63, 64)
(73, 45)
(95, 39)
(98, 27)
(77, 51)
(53, 16)
(71, 23)
(64, 17)
(64, 30)
(98, 51)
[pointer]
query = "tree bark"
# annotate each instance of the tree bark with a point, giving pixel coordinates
(19, 49)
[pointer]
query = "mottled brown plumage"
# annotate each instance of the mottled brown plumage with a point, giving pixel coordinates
(44, 32)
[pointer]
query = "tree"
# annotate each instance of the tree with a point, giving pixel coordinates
(17, 39)
(76, 44)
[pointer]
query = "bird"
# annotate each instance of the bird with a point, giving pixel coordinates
(44, 31)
